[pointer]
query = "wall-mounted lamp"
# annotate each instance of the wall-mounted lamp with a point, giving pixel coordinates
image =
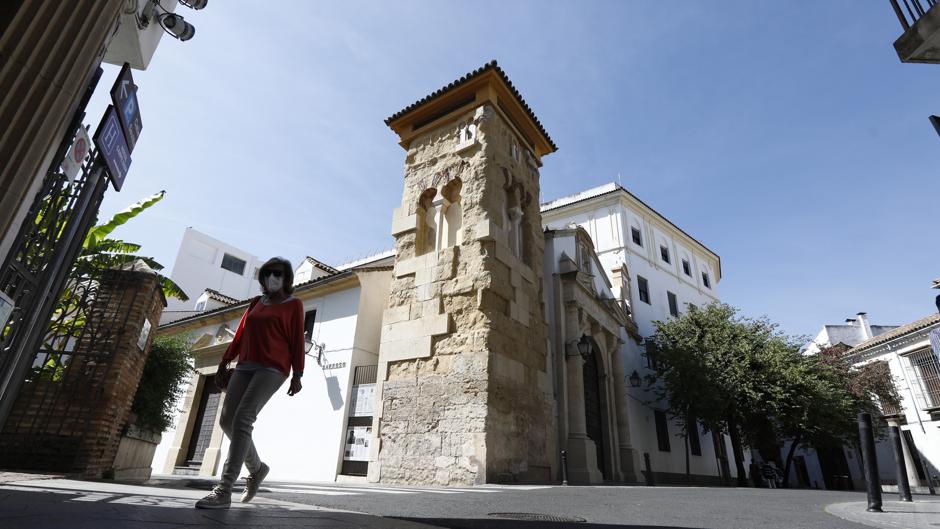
(584, 346)
(635, 379)
(320, 347)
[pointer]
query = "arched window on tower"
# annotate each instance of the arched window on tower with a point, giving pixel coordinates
(427, 233)
(452, 221)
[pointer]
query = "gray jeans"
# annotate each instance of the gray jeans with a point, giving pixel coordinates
(247, 393)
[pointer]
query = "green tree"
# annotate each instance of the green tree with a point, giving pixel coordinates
(702, 372)
(99, 252)
(160, 388)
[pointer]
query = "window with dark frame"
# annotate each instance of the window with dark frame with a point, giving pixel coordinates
(686, 267)
(637, 238)
(662, 431)
(644, 289)
(664, 253)
(310, 317)
(695, 444)
(673, 304)
(705, 281)
(233, 264)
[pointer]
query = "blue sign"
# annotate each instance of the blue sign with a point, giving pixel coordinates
(124, 96)
(113, 147)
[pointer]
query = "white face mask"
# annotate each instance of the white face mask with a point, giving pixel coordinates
(273, 284)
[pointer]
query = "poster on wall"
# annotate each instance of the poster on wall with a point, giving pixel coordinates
(362, 400)
(357, 443)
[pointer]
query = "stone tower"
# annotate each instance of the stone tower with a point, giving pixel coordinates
(463, 393)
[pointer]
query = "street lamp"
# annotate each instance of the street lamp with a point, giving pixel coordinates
(635, 379)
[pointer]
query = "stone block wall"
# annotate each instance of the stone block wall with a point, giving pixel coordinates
(465, 397)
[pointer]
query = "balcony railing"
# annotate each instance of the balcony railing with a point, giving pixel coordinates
(912, 11)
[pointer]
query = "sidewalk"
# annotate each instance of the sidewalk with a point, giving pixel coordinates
(924, 513)
(52, 502)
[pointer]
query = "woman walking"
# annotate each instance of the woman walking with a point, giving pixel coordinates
(268, 344)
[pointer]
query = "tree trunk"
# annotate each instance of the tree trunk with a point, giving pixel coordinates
(789, 463)
(738, 451)
(688, 473)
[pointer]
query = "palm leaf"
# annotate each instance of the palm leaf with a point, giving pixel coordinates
(101, 231)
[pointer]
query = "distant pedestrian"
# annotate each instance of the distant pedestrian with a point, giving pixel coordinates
(268, 343)
(770, 473)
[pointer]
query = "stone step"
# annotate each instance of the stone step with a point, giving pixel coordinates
(186, 470)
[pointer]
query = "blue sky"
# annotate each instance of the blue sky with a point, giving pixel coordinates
(786, 136)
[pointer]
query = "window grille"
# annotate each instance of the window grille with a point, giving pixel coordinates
(927, 370)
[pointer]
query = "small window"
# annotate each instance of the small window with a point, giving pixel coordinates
(637, 239)
(673, 304)
(695, 445)
(309, 318)
(644, 289)
(662, 431)
(664, 253)
(705, 281)
(686, 267)
(233, 264)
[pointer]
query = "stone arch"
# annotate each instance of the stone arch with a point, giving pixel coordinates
(427, 229)
(452, 217)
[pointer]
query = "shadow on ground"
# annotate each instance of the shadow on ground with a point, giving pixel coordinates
(502, 523)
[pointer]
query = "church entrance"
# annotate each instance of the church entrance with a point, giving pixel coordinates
(592, 409)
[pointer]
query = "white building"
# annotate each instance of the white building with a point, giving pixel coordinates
(323, 431)
(204, 262)
(656, 269)
(911, 352)
(851, 333)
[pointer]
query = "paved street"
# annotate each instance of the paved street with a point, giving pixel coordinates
(30, 501)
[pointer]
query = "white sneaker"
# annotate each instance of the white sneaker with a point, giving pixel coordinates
(253, 481)
(219, 498)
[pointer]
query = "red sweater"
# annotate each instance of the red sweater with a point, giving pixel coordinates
(270, 335)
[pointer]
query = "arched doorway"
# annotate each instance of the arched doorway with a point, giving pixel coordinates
(593, 413)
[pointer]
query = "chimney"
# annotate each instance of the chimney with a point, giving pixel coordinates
(863, 323)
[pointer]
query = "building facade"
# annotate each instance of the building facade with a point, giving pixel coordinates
(656, 270)
(496, 337)
(204, 262)
(322, 432)
(911, 352)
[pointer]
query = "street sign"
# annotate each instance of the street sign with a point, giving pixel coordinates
(72, 163)
(124, 96)
(110, 141)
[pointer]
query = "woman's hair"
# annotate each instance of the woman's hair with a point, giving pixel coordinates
(288, 273)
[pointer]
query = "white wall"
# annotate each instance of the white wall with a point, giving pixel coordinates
(302, 437)
(198, 266)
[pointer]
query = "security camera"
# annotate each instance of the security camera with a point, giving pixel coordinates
(176, 26)
(194, 4)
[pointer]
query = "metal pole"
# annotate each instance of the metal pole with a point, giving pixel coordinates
(650, 482)
(869, 461)
(904, 487)
(564, 468)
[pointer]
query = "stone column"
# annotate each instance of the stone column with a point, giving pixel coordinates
(582, 452)
(629, 458)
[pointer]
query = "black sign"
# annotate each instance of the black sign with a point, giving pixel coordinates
(111, 144)
(124, 96)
